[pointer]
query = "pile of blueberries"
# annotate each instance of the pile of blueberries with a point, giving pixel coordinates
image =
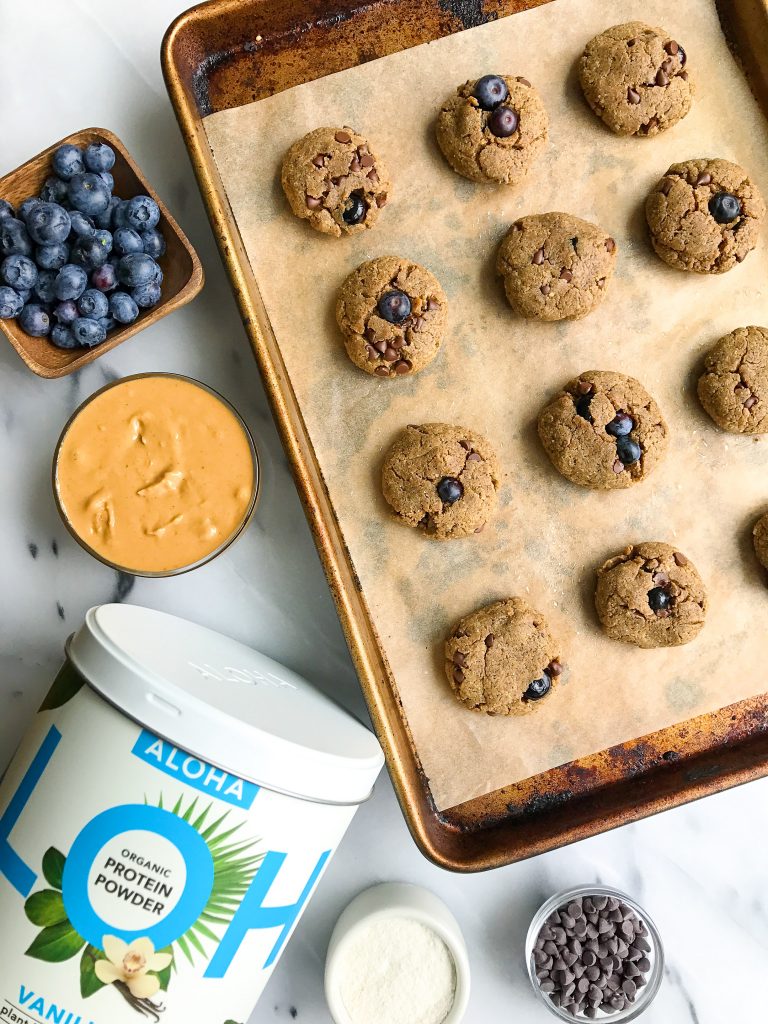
(78, 260)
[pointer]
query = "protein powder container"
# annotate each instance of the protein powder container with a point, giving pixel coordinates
(164, 823)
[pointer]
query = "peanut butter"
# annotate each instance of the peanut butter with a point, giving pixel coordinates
(155, 473)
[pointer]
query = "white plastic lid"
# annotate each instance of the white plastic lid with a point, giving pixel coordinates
(225, 703)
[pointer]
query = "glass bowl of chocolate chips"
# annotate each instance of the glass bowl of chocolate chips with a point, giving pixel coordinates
(593, 954)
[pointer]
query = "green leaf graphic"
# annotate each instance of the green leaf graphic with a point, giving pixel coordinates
(53, 867)
(165, 975)
(89, 983)
(45, 908)
(57, 943)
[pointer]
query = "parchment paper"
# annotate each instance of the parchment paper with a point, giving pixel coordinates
(496, 371)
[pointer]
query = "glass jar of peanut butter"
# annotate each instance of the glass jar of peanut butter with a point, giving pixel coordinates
(156, 474)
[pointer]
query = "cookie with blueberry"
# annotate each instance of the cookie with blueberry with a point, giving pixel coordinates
(555, 266)
(651, 595)
(491, 130)
(636, 79)
(392, 314)
(503, 659)
(442, 479)
(704, 216)
(334, 180)
(734, 386)
(604, 431)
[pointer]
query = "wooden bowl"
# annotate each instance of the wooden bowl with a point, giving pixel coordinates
(182, 271)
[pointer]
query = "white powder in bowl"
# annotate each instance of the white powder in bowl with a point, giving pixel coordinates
(396, 971)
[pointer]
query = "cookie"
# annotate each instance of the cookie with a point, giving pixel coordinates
(760, 539)
(650, 595)
(502, 659)
(441, 478)
(555, 266)
(604, 431)
(333, 179)
(704, 216)
(493, 129)
(734, 386)
(392, 313)
(636, 79)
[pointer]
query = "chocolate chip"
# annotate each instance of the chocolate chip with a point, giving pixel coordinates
(750, 402)
(370, 352)
(313, 203)
(381, 199)
(631, 42)
(381, 371)
(680, 558)
(566, 275)
(433, 304)
(555, 669)
(618, 467)
(545, 289)
(343, 137)
(668, 65)
(684, 75)
(610, 244)
(319, 160)
(671, 47)
(538, 257)
(489, 640)
(704, 178)
(601, 282)
(390, 354)
(633, 96)
(366, 160)
(458, 675)
(402, 367)
(523, 81)
(662, 78)
(373, 176)
(474, 457)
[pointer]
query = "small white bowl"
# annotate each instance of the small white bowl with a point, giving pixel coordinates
(397, 899)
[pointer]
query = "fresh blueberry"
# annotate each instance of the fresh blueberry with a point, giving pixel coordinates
(355, 209)
(93, 304)
(127, 240)
(52, 257)
(89, 194)
(104, 220)
(82, 226)
(629, 451)
(118, 214)
(45, 286)
(104, 278)
(6, 210)
(449, 490)
(68, 161)
(71, 282)
(107, 322)
(490, 91)
(27, 207)
(123, 308)
(503, 122)
(154, 243)
(107, 178)
(19, 272)
(142, 213)
(11, 303)
(659, 599)
(62, 337)
(25, 295)
(394, 306)
(92, 252)
(136, 269)
(724, 207)
(98, 157)
(66, 312)
(158, 278)
(34, 320)
(48, 223)
(88, 332)
(621, 425)
(146, 295)
(14, 238)
(54, 190)
(538, 688)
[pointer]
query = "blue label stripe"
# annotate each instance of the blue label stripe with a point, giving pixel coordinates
(193, 772)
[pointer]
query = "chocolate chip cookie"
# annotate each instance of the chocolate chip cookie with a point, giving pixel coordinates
(604, 431)
(392, 313)
(555, 266)
(734, 386)
(502, 659)
(441, 478)
(635, 78)
(704, 215)
(651, 595)
(493, 129)
(333, 179)
(760, 539)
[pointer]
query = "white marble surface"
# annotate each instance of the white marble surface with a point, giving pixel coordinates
(700, 870)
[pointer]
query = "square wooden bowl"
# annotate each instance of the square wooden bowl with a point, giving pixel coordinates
(182, 271)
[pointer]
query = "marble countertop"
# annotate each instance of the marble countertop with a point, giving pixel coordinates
(699, 870)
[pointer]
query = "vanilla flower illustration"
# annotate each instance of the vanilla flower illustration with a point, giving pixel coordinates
(130, 964)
